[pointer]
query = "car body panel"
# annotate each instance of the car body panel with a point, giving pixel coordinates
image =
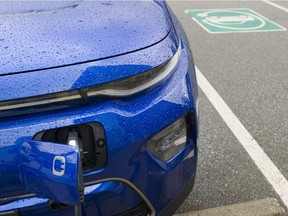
(132, 174)
(38, 35)
(105, 193)
(76, 76)
(164, 104)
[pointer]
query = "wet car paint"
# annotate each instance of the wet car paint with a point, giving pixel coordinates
(75, 32)
(129, 124)
(82, 75)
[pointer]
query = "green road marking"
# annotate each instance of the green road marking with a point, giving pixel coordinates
(233, 20)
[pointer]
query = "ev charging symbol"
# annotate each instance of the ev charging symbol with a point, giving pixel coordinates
(59, 163)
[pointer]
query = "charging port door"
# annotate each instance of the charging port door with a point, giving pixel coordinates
(52, 170)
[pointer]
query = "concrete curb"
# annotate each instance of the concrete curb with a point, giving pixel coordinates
(264, 207)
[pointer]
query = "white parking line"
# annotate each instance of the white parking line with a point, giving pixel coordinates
(276, 5)
(263, 162)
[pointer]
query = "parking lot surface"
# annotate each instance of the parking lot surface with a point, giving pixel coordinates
(249, 71)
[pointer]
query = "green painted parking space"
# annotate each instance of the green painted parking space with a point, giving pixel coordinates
(233, 20)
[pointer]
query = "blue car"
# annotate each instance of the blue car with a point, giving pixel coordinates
(98, 109)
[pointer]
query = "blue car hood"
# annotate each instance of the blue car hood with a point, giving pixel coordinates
(41, 35)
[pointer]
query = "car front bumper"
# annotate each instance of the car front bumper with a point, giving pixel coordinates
(132, 175)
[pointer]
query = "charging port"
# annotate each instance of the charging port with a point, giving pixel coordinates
(91, 139)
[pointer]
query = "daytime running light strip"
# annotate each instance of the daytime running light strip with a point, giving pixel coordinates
(167, 71)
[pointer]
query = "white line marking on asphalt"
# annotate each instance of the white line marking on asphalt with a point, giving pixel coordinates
(276, 5)
(263, 162)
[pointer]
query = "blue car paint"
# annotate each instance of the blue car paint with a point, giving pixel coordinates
(37, 35)
(128, 123)
(35, 170)
(98, 196)
(88, 74)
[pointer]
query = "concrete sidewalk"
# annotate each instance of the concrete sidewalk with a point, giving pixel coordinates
(264, 207)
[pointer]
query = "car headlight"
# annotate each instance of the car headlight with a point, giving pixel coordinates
(137, 83)
(119, 88)
(169, 141)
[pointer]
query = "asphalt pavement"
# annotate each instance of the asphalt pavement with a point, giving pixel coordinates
(249, 71)
(263, 207)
